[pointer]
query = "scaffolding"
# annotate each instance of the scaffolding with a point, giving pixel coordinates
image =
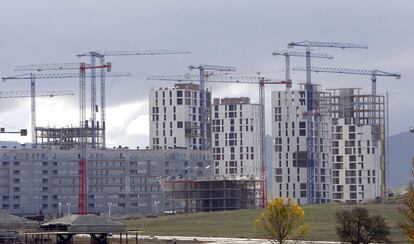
(68, 137)
(209, 195)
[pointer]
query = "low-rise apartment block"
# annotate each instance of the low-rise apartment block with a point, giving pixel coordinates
(47, 180)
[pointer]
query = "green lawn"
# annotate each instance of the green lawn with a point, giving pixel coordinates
(321, 219)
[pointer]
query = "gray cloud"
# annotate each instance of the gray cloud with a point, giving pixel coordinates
(235, 32)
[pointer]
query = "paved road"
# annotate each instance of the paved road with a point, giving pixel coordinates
(219, 240)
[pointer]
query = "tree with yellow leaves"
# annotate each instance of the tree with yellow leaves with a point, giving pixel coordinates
(280, 221)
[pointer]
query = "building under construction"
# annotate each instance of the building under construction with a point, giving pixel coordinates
(359, 129)
(68, 137)
(292, 175)
(210, 194)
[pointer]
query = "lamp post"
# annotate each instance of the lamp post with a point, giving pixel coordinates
(109, 209)
(59, 209)
(156, 203)
(68, 204)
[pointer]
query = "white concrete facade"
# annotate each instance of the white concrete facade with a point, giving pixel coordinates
(289, 148)
(175, 117)
(236, 142)
(357, 145)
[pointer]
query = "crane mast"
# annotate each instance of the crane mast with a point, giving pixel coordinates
(312, 196)
(375, 127)
(82, 206)
(261, 81)
(203, 116)
(288, 54)
(93, 54)
(76, 66)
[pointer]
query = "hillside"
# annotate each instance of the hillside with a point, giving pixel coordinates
(401, 152)
(321, 219)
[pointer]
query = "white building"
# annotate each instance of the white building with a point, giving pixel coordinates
(175, 117)
(236, 138)
(289, 152)
(358, 149)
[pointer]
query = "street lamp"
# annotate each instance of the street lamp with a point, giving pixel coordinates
(59, 209)
(68, 204)
(156, 203)
(109, 209)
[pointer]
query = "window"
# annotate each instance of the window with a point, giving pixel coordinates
(179, 93)
(179, 101)
(179, 124)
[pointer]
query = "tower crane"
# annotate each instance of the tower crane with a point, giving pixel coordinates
(289, 54)
(83, 141)
(373, 73)
(310, 107)
(33, 77)
(94, 54)
(203, 68)
(82, 67)
(22, 94)
(261, 81)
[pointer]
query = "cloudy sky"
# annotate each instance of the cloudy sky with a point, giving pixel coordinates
(240, 33)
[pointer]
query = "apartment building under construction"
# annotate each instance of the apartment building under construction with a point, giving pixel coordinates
(359, 129)
(175, 117)
(289, 150)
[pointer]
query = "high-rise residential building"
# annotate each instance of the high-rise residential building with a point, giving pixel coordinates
(175, 117)
(289, 153)
(236, 142)
(358, 145)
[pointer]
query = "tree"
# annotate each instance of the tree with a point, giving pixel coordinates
(281, 221)
(356, 226)
(408, 213)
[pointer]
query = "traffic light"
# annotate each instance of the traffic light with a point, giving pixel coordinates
(23, 132)
(108, 67)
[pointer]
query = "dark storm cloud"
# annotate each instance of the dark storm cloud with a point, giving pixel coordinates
(241, 33)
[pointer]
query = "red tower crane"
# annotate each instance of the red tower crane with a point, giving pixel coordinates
(82, 114)
(94, 54)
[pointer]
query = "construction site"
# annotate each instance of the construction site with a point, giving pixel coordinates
(210, 195)
(203, 156)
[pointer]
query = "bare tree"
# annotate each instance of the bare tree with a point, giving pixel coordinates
(356, 226)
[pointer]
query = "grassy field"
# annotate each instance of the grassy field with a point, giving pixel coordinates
(321, 219)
